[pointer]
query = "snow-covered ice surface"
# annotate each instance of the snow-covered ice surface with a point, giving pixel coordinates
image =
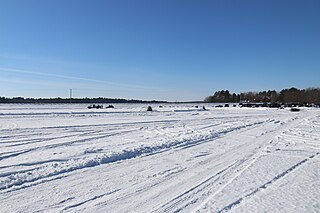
(66, 158)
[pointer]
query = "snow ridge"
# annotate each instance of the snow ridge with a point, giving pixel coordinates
(59, 167)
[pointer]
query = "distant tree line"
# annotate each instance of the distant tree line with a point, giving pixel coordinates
(73, 100)
(292, 95)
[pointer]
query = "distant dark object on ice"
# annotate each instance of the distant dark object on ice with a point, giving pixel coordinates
(203, 108)
(149, 108)
(95, 106)
(270, 105)
(196, 106)
(110, 107)
(246, 105)
(234, 105)
(226, 105)
(160, 106)
(294, 109)
(274, 105)
(219, 105)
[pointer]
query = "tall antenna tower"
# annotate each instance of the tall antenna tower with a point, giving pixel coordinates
(70, 95)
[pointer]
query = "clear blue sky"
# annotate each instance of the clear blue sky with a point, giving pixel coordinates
(157, 49)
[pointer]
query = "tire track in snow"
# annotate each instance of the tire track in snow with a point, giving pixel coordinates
(40, 140)
(204, 188)
(70, 207)
(106, 159)
(202, 185)
(171, 206)
(121, 125)
(218, 134)
(267, 184)
(255, 158)
(55, 145)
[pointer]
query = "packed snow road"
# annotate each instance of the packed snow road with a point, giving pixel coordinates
(66, 158)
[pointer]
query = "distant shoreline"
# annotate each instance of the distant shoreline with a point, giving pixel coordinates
(22, 100)
(152, 102)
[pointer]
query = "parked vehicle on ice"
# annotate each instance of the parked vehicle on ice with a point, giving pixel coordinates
(95, 106)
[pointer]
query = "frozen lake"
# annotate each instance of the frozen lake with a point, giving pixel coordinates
(177, 158)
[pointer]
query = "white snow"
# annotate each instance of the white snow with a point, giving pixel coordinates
(67, 158)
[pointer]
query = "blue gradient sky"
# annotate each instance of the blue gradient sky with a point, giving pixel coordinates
(158, 49)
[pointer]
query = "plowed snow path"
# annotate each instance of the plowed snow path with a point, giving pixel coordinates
(165, 161)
